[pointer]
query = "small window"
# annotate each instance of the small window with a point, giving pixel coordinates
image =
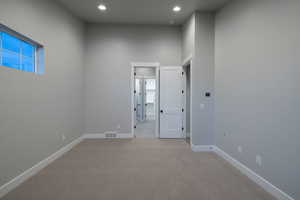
(19, 52)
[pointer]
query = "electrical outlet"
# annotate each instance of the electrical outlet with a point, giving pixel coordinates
(258, 160)
(240, 149)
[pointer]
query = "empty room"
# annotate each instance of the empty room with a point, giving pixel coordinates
(149, 99)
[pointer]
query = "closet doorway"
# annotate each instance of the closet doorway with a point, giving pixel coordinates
(145, 100)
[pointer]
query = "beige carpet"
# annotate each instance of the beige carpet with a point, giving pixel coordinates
(138, 169)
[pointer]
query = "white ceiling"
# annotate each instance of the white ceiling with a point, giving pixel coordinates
(139, 11)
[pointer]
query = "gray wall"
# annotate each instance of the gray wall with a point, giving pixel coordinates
(198, 41)
(202, 76)
(110, 51)
(257, 87)
(36, 110)
(188, 38)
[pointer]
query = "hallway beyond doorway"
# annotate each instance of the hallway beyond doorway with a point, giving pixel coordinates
(145, 100)
(145, 129)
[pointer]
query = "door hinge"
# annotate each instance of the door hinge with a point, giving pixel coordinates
(182, 91)
(182, 73)
(134, 91)
(182, 128)
(134, 109)
(182, 110)
(135, 73)
(134, 126)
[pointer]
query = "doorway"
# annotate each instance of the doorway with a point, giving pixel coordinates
(145, 100)
(187, 100)
(172, 102)
(158, 101)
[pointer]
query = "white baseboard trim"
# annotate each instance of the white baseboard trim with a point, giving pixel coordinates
(12, 184)
(276, 192)
(102, 136)
(202, 148)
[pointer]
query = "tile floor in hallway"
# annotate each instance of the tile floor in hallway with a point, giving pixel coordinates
(145, 129)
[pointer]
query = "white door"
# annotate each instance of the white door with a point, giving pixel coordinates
(171, 102)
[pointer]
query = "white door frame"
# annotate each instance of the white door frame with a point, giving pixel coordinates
(188, 61)
(155, 65)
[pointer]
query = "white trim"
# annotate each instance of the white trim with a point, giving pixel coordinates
(184, 117)
(102, 136)
(157, 102)
(170, 67)
(155, 65)
(184, 68)
(187, 60)
(266, 185)
(132, 88)
(145, 77)
(191, 100)
(12, 184)
(276, 192)
(145, 64)
(202, 148)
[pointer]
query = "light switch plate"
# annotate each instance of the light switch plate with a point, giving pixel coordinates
(240, 149)
(258, 160)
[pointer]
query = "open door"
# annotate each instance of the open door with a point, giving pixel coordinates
(171, 102)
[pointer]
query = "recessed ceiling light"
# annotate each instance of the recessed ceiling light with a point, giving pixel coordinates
(176, 8)
(102, 7)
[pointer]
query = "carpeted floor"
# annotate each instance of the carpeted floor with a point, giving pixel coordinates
(138, 169)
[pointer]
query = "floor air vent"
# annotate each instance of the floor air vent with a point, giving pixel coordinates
(110, 135)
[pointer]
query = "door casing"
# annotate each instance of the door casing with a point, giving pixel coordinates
(189, 61)
(156, 65)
